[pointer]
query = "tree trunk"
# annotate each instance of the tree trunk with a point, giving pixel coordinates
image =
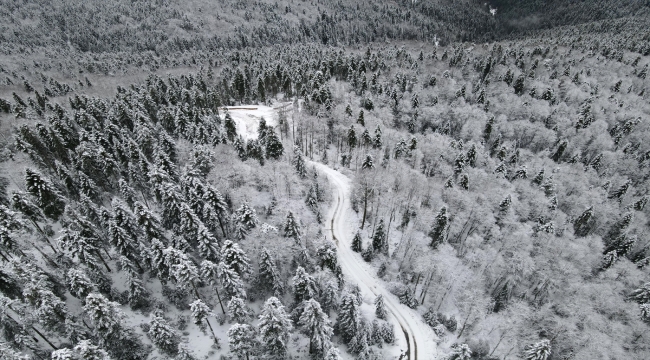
(465, 322)
(196, 291)
(216, 339)
(103, 261)
(219, 297)
(365, 206)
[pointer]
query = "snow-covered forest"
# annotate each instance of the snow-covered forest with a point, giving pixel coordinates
(324, 180)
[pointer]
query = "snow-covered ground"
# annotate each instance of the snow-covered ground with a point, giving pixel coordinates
(420, 337)
(247, 117)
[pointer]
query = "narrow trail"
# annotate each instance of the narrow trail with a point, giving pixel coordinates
(419, 337)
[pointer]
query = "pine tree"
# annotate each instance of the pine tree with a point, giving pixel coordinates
(366, 139)
(380, 307)
(360, 119)
(460, 352)
(312, 200)
(369, 253)
(621, 191)
(235, 258)
(332, 354)
(438, 233)
(78, 283)
(184, 353)
(304, 286)
(163, 335)
(538, 351)
(464, 181)
(317, 325)
(471, 156)
(185, 273)
(274, 147)
(47, 197)
(207, 244)
(299, 162)
(105, 316)
(231, 127)
(619, 228)
(348, 320)
(379, 239)
(487, 132)
(231, 281)
(275, 328)
(242, 340)
(348, 110)
(210, 273)
(269, 276)
(357, 244)
(504, 207)
(584, 223)
(238, 311)
(377, 142)
(89, 351)
(291, 227)
(368, 163)
(352, 138)
(539, 178)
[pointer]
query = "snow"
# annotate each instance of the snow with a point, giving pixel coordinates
(405, 320)
(247, 118)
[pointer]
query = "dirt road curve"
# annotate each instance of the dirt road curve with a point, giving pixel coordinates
(419, 336)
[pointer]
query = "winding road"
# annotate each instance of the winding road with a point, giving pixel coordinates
(419, 338)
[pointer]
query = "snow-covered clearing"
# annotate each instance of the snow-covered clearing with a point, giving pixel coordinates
(247, 117)
(419, 338)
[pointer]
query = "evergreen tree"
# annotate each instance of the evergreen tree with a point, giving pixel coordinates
(360, 119)
(348, 320)
(275, 328)
(352, 138)
(312, 199)
(357, 244)
(438, 233)
(235, 258)
(377, 142)
(238, 311)
(348, 110)
(105, 316)
(47, 197)
(380, 307)
(621, 191)
(304, 286)
(269, 276)
(274, 147)
(291, 227)
(584, 223)
(332, 354)
(460, 352)
(369, 253)
(89, 351)
(78, 283)
(210, 273)
(504, 207)
(230, 280)
(538, 351)
(368, 163)
(242, 340)
(487, 132)
(471, 156)
(207, 244)
(299, 162)
(317, 325)
(379, 239)
(163, 335)
(519, 84)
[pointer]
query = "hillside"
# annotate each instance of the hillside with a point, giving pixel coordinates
(498, 189)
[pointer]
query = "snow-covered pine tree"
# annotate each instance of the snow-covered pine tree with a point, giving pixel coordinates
(304, 286)
(105, 316)
(352, 138)
(349, 318)
(89, 351)
(538, 351)
(78, 283)
(332, 354)
(242, 340)
(47, 197)
(238, 311)
(460, 352)
(185, 273)
(209, 273)
(291, 227)
(148, 221)
(357, 245)
(380, 307)
(163, 335)
(377, 141)
(274, 147)
(269, 276)
(235, 258)
(312, 199)
(246, 216)
(231, 127)
(438, 233)
(299, 162)
(317, 325)
(379, 239)
(368, 163)
(275, 328)
(200, 315)
(231, 281)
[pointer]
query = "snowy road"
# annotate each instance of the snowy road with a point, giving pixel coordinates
(419, 337)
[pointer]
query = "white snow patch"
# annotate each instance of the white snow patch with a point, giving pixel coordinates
(247, 118)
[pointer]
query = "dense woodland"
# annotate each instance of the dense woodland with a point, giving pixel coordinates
(500, 178)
